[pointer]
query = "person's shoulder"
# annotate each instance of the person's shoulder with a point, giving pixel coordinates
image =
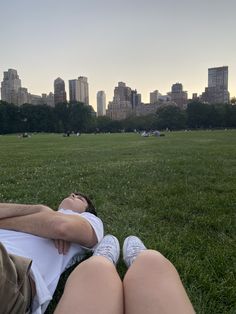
(90, 216)
(96, 223)
(86, 215)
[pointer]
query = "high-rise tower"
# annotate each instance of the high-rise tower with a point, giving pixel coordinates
(10, 86)
(83, 90)
(154, 96)
(101, 103)
(59, 91)
(218, 85)
(179, 96)
(121, 107)
(73, 90)
(217, 90)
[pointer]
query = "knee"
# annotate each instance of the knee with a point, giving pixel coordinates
(151, 259)
(94, 264)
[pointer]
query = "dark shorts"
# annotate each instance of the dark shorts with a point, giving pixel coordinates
(15, 289)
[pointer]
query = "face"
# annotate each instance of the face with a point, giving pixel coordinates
(74, 202)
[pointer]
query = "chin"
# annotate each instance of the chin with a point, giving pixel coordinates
(68, 203)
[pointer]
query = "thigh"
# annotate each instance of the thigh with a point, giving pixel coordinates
(94, 287)
(153, 286)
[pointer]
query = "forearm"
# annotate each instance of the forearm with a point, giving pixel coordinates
(8, 210)
(53, 225)
(39, 224)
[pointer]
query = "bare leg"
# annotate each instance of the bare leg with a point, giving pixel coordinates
(93, 287)
(152, 285)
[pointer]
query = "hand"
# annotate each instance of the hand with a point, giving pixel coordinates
(62, 246)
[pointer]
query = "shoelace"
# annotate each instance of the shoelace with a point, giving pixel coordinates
(106, 251)
(134, 251)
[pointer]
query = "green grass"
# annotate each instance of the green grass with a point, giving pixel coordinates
(178, 193)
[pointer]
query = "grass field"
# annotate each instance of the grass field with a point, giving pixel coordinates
(178, 193)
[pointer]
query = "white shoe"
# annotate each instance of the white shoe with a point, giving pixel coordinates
(109, 247)
(131, 248)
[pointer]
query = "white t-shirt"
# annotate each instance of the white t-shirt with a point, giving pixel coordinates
(48, 264)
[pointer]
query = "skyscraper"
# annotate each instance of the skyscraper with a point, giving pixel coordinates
(158, 98)
(23, 96)
(83, 90)
(121, 107)
(73, 90)
(217, 90)
(48, 99)
(101, 103)
(135, 99)
(179, 96)
(122, 92)
(154, 96)
(10, 86)
(59, 91)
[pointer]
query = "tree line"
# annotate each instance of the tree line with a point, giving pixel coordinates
(77, 117)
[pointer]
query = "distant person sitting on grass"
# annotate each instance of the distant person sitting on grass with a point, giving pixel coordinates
(151, 284)
(37, 245)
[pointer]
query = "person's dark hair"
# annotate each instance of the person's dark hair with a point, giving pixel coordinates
(90, 208)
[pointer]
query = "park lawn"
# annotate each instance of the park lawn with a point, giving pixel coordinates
(177, 193)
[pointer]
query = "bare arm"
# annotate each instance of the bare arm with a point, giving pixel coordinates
(8, 210)
(53, 225)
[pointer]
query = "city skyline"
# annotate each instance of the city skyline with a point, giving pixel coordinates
(150, 45)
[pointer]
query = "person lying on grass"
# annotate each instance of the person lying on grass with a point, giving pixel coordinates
(37, 244)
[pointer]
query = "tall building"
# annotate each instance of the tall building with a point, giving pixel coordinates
(122, 92)
(179, 96)
(36, 99)
(12, 92)
(48, 99)
(59, 91)
(23, 96)
(73, 90)
(135, 99)
(127, 102)
(121, 107)
(154, 96)
(83, 90)
(79, 90)
(101, 103)
(10, 86)
(217, 90)
(158, 98)
(44, 99)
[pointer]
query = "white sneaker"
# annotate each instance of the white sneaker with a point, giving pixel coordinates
(109, 247)
(131, 248)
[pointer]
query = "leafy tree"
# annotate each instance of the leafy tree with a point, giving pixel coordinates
(104, 124)
(80, 117)
(9, 118)
(116, 126)
(198, 115)
(233, 100)
(171, 117)
(230, 116)
(147, 122)
(61, 117)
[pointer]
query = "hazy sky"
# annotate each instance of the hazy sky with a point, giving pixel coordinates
(148, 44)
